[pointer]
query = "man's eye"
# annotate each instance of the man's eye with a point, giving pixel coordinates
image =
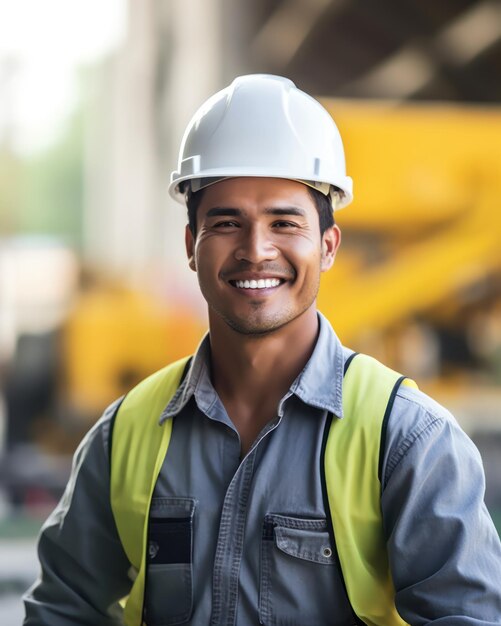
(226, 224)
(284, 224)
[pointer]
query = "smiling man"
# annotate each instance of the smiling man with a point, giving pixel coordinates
(260, 229)
(274, 477)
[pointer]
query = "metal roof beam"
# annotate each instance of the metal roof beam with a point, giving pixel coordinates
(413, 66)
(282, 35)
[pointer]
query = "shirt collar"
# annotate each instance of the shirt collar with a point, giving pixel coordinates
(320, 384)
(197, 378)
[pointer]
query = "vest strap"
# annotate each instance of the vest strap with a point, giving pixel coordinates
(351, 464)
(138, 450)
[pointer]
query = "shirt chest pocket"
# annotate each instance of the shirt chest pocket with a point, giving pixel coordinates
(300, 577)
(169, 575)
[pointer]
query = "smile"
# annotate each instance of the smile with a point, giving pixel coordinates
(262, 283)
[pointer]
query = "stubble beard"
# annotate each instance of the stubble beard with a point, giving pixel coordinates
(257, 325)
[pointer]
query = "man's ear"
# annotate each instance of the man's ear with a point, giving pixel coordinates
(189, 242)
(330, 243)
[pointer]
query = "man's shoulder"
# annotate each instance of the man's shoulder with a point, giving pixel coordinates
(415, 419)
(417, 402)
(418, 421)
(411, 406)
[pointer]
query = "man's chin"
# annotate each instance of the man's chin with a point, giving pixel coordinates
(256, 328)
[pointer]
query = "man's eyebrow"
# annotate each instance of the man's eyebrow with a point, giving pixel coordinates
(218, 211)
(288, 210)
(221, 210)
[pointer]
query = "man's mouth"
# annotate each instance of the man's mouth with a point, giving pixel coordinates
(262, 283)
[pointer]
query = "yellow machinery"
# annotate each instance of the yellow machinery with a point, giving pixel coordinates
(425, 226)
(114, 338)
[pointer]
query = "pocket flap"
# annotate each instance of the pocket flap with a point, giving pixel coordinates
(310, 545)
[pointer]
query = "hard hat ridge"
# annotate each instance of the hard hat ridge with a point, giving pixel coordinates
(262, 125)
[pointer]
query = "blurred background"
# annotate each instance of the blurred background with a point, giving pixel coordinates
(94, 289)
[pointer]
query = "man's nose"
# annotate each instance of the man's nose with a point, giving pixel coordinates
(256, 246)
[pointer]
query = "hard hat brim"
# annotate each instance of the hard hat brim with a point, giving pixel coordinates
(343, 189)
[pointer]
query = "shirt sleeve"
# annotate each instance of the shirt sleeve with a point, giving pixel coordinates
(83, 565)
(444, 551)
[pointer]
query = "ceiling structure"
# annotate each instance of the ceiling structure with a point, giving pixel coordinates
(401, 49)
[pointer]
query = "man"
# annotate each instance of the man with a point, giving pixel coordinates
(242, 528)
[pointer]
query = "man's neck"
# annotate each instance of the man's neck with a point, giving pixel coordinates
(251, 367)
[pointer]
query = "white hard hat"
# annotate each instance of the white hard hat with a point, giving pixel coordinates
(263, 125)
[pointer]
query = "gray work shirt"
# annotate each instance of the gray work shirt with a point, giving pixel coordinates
(245, 541)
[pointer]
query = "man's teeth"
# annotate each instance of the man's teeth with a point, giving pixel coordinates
(262, 283)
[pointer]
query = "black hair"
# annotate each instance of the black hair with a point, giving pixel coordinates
(325, 211)
(322, 202)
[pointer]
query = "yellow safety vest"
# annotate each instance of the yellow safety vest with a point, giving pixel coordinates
(352, 481)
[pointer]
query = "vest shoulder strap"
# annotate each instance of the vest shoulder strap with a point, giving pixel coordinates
(352, 468)
(138, 449)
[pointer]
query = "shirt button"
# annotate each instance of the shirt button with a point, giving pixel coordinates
(327, 552)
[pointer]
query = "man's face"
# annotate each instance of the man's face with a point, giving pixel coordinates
(258, 252)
